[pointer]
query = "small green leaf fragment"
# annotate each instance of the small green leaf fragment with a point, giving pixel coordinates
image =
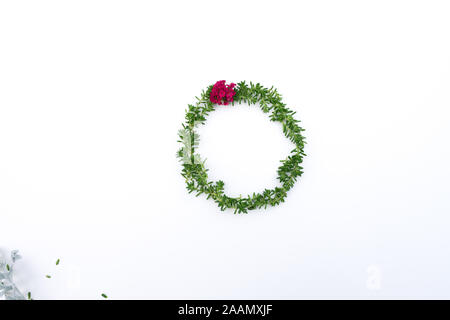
(48, 276)
(104, 296)
(57, 261)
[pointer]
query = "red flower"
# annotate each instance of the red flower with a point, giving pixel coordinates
(222, 93)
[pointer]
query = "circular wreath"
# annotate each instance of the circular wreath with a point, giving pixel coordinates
(194, 170)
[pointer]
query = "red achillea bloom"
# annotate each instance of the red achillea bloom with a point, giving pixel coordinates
(222, 93)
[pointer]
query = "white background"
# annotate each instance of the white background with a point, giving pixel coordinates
(92, 94)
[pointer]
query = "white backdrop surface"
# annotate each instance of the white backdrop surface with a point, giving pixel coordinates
(92, 94)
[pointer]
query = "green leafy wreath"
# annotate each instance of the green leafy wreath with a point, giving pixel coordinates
(194, 170)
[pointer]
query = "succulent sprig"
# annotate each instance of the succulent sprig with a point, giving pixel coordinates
(8, 288)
